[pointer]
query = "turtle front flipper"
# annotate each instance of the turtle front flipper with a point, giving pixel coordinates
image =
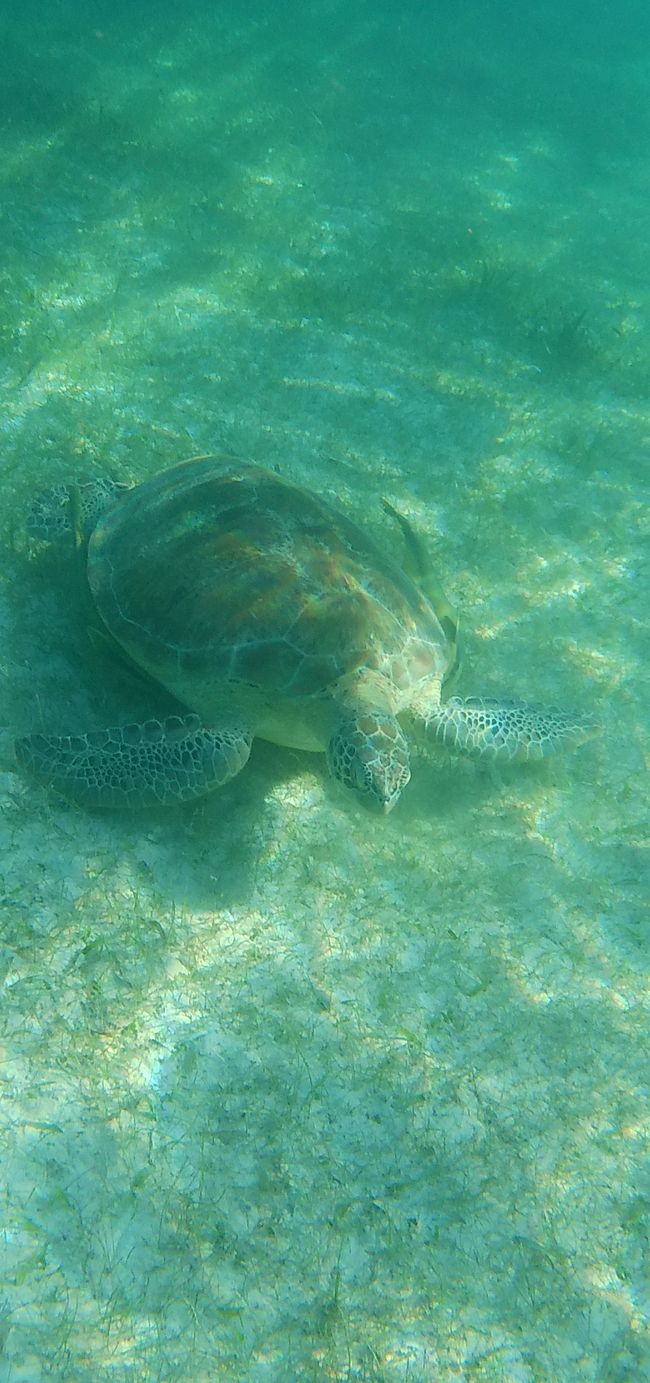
(507, 729)
(72, 510)
(158, 762)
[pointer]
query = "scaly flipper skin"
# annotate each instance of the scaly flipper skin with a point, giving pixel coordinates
(72, 509)
(489, 728)
(158, 762)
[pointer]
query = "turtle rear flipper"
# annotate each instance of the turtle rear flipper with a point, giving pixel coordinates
(417, 566)
(157, 762)
(507, 729)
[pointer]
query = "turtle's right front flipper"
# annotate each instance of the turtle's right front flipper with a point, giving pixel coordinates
(158, 762)
(507, 729)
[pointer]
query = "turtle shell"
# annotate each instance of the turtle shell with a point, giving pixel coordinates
(220, 572)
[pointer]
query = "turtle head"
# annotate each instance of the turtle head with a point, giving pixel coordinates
(369, 753)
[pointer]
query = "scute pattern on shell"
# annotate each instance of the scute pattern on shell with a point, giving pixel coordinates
(225, 570)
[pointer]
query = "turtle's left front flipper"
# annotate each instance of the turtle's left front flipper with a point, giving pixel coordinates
(152, 764)
(72, 510)
(507, 729)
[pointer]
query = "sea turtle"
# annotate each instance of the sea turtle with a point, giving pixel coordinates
(265, 611)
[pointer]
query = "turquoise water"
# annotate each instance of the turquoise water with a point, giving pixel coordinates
(292, 1092)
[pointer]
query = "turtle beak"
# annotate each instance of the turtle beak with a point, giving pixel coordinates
(392, 791)
(388, 785)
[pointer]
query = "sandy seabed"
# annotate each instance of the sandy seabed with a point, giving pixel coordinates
(290, 1092)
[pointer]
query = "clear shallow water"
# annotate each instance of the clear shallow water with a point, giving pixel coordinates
(291, 1092)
